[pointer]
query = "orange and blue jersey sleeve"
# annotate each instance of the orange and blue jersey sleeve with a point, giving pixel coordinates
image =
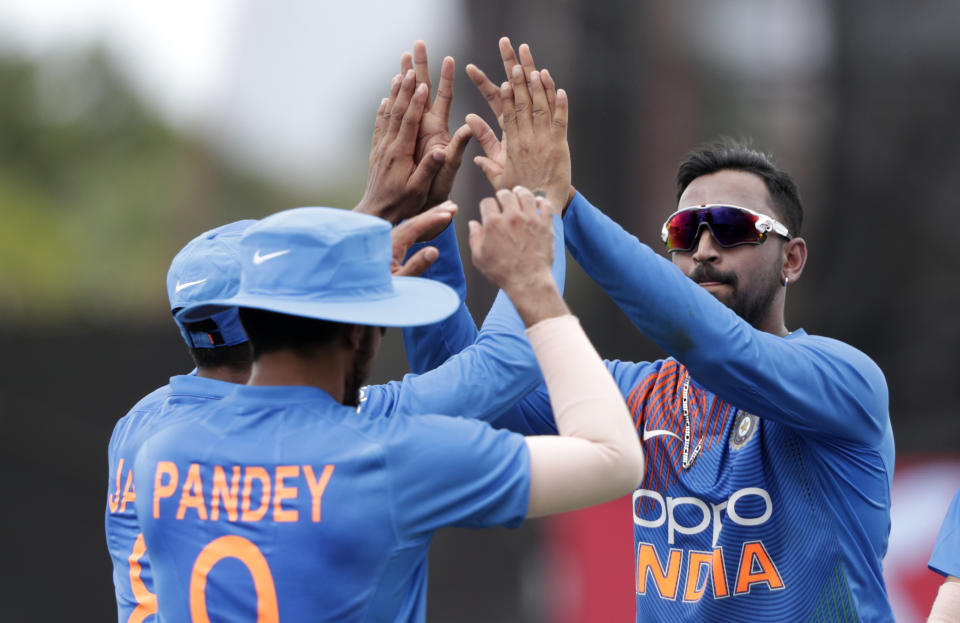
(945, 558)
(813, 384)
(478, 379)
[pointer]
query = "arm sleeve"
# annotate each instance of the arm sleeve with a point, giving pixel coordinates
(429, 346)
(809, 383)
(945, 558)
(597, 456)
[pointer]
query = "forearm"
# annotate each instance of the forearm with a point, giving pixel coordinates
(598, 456)
(946, 607)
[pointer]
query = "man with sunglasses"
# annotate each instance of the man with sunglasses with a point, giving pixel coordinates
(770, 451)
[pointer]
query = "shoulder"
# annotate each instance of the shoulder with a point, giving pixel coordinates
(845, 357)
(140, 415)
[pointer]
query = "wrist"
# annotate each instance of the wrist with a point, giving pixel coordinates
(536, 297)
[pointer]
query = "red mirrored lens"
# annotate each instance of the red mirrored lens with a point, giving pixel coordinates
(730, 226)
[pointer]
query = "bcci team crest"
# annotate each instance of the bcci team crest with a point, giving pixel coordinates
(744, 427)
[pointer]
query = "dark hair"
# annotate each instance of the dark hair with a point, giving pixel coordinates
(269, 332)
(739, 156)
(237, 357)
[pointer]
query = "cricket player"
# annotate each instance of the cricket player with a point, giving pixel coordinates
(284, 501)
(207, 268)
(945, 560)
(770, 450)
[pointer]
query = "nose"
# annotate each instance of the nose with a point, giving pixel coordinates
(706, 249)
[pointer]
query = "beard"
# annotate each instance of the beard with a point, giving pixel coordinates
(362, 363)
(753, 304)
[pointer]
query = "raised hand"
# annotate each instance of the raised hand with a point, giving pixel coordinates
(413, 230)
(532, 115)
(513, 243)
(434, 131)
(397, 183)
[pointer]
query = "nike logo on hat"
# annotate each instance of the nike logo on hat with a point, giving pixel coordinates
(260, 259)
(183, 286)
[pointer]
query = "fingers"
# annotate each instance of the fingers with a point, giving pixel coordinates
(410, 125)
(441, 105)
(380, 126)
(490, 209)
(484, 134)
(413, 229)
(539, 109)
(475, 239)
(550, 87)
(521, 100)
(422, 177)
(401, 102)
(526, 59)
(491, 169)
(508, 120)
(443, 183)
(527, 202)
(509, 202)
(420, 65)
(508, 56)
(406, 63)
(487, 88)
(558, 125)
(417, 264)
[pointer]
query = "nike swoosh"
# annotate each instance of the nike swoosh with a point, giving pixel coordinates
(184, 286)
(650, 434)
(260, 259)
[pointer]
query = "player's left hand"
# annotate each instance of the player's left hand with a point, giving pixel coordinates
(416, 229)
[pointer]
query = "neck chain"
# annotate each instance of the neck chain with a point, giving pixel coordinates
(688, 459)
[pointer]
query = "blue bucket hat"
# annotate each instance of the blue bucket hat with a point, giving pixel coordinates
(329, 264)
(208, 268)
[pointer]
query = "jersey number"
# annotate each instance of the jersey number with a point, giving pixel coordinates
(245, 551)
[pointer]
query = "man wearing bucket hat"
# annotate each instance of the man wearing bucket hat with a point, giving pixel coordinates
(209, 268)
(282, 500)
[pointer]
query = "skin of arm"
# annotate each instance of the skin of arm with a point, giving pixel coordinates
(597, 456)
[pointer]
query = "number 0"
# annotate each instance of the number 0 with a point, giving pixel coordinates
(245, 551)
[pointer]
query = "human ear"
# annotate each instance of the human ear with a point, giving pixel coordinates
(794, 259)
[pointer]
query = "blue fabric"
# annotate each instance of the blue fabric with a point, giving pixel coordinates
(332, 265)
(799, 426)
(945, 558)
(160, 408)
(429, 346)
(352, 549)
(207, 268)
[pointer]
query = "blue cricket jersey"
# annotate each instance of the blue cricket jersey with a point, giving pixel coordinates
(463, 385)
(132, 574)
(278, 503)
(784, 513)
(945, 558)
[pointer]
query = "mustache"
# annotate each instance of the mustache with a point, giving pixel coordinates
(705, 272)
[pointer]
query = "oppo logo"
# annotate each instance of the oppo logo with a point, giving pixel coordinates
(710, 513)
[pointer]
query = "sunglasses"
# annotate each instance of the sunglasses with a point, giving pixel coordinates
(729, 225)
